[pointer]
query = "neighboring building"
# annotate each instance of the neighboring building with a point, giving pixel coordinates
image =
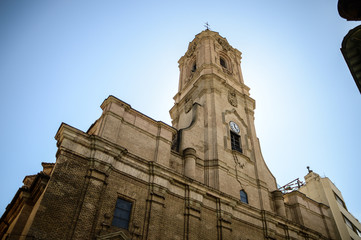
(351, 44)
(204, 177)
(349, 9)
(350, 49)
(324, 191)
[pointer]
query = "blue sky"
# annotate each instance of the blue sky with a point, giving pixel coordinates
(60, 59)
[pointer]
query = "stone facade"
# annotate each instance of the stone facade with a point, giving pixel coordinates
(182, 181)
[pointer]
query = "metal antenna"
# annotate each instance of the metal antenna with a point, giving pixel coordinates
(206, 25)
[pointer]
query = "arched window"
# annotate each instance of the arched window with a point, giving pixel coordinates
(243, 196)
(223, 62)
(194, 67)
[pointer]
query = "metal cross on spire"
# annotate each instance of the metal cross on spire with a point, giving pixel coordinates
(206, 25)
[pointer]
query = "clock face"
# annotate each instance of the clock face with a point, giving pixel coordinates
(234, 127)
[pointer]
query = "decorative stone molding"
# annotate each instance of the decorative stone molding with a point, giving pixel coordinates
(193, 209)
(228, 63)
(226, 70)
(189, 152)
(115, 235)
(157, 195)
(225, 222)
(224, 44)
(232, 98)
(97, 175)
(188, 105)
(192, 47)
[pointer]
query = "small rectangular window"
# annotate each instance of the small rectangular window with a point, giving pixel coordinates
(122, 213)
(348, 222)
(339, 200)
(358, 232)
(236, 142)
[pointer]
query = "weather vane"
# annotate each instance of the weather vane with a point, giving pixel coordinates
(207, 26)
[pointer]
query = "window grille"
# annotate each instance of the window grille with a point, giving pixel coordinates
(236, 142)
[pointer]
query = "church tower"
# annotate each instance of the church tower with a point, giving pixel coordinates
(214, 115)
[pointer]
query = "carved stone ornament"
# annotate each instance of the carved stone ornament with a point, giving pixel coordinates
(224, 44)
(191, 49)
(188, 105)
(226, 70)
(232, 98)
(189, 77)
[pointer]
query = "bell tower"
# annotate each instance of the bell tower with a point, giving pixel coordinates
(214, 115)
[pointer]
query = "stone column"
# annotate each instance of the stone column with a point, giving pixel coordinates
(23, 216)
(190, 162)
(279, 203)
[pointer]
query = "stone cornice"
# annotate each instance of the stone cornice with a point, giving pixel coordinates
(303, 196)
(25, 195)
(128, 107)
